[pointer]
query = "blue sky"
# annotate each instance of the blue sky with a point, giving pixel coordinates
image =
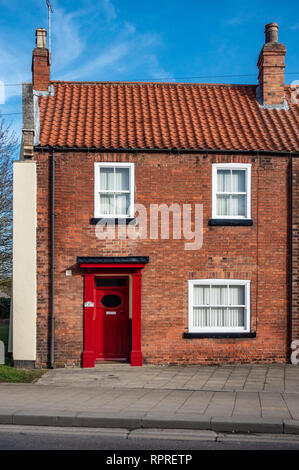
(173, 40)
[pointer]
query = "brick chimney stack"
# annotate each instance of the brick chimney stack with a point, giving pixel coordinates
(271, 68)
(41, 62)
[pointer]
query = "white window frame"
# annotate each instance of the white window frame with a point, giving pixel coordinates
(97, 190)
(232, 166)
(219, 329)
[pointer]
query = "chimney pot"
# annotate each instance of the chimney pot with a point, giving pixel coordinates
(271, 32)
(41, 38)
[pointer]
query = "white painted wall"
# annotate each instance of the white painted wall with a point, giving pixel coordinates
(24, 260)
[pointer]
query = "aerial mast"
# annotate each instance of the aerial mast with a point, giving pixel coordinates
(50, 10)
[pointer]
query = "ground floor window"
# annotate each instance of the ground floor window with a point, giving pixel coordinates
(217, 305)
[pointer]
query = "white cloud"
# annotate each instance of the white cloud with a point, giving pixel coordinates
(14, 69)
(129, 27)
(130, 51)
(93, 42)
(235, 20)
(242, 16)
(156, 71)
(67, 42)
(108, 58)
(109, 10)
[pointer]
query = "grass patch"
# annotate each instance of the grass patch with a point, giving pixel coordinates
(12, 375)
(9, 373)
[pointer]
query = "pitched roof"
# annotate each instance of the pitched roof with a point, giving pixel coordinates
(116, 115)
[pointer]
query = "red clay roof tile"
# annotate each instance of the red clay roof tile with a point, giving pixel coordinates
(165, 116)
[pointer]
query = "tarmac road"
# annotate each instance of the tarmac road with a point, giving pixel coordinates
(50, 438)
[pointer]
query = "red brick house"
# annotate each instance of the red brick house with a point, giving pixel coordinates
(99, 152)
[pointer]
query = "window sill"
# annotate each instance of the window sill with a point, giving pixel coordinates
(188, 335)
(121, 220)
(231, 222)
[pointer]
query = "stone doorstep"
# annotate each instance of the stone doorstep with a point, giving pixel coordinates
(137, 420)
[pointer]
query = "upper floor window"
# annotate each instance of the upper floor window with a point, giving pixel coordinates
(231, 191)
(114, 190)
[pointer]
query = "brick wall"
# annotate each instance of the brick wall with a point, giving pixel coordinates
(40, 69)
(258, 253)
(295, 248)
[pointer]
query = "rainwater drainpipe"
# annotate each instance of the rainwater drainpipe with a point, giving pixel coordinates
(52, 317)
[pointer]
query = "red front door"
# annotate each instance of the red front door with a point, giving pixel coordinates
(112, 318)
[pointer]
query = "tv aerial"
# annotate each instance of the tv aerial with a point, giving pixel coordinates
(50, 11)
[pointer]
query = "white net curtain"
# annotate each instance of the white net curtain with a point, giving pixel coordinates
(231, 193)
(114, 191)
(218, 306)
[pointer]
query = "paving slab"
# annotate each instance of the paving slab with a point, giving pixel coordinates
(221, 403)
(172, 401)
(292, 402)
(149, 400)
(247, 404)
(197, 402)
(273, 405)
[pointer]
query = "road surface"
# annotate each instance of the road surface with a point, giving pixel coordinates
(49, 438)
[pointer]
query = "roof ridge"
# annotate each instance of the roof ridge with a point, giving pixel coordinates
(118, 82)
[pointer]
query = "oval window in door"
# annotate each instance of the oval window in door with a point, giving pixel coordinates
(111, 301)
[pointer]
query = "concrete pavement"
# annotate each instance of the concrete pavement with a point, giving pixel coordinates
(243, 377)
(258, 399)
